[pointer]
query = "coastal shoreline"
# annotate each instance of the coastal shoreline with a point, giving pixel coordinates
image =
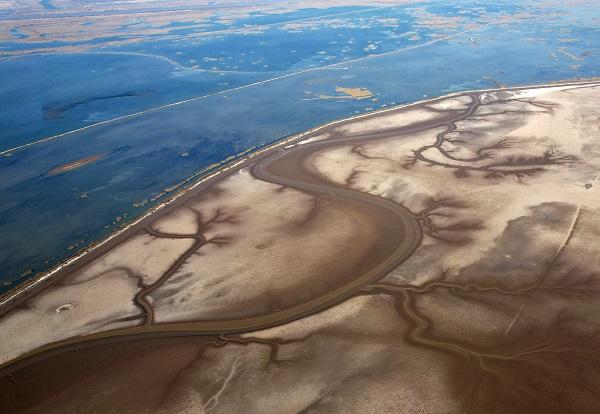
(105, 244)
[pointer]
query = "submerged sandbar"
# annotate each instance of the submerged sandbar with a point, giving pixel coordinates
(76, 164)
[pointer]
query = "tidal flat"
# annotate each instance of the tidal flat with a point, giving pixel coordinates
(150, 84)
(437, 257)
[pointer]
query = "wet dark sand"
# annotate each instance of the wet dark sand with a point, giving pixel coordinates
(74, 381)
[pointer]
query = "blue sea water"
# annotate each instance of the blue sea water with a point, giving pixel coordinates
(97, 75)
(41, 214)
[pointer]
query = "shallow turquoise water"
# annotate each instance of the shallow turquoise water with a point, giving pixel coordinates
(41, 215)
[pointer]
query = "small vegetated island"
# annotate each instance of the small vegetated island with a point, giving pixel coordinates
(441, 256)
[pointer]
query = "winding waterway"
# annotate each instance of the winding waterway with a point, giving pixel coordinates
(281, 166)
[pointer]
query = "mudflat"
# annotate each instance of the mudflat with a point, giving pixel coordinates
(439, 257)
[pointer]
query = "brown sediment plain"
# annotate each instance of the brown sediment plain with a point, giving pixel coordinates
(441, 257)
(76, 164)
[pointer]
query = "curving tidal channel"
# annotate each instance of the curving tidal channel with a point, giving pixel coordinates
(285, 167)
